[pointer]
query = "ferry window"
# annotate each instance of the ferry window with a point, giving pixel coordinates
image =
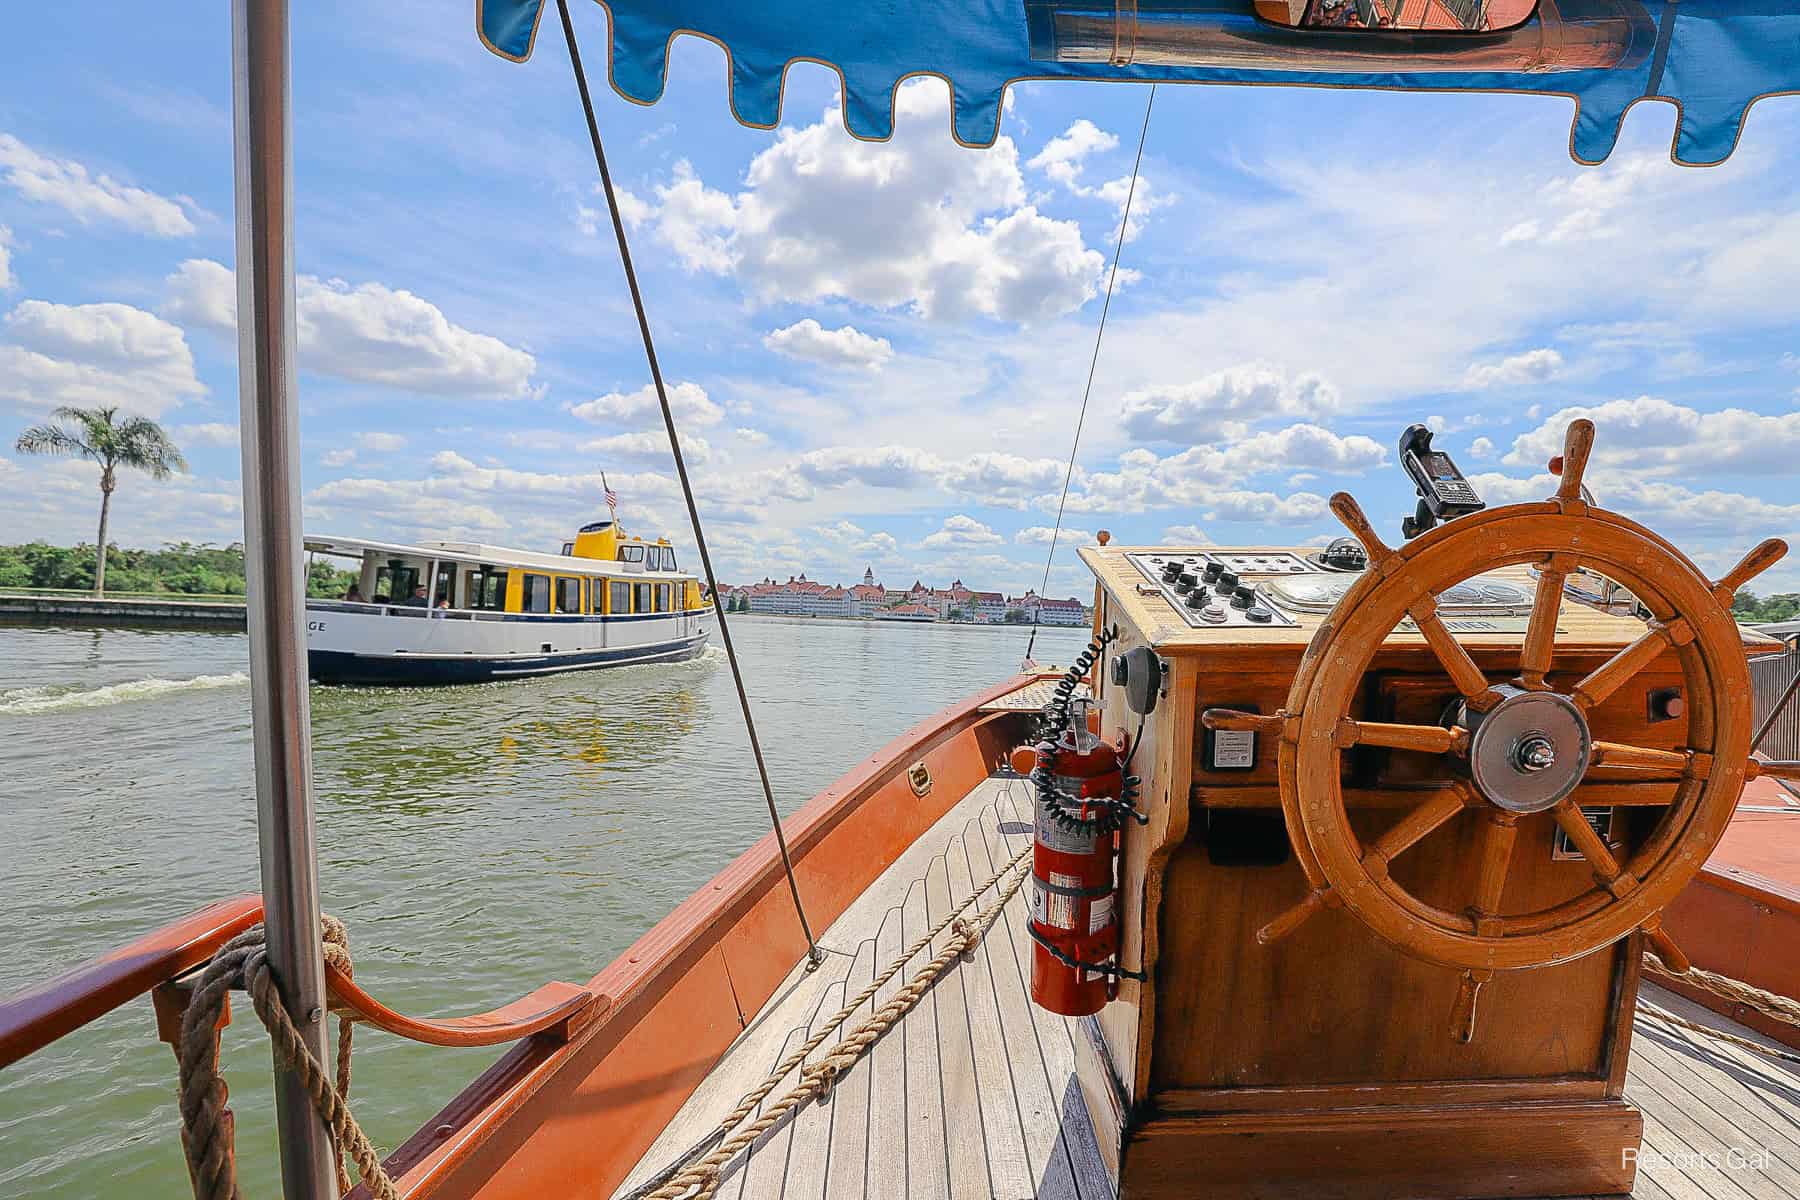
(662, 597)
(445, 587)
(631, 554)
(484, 588)
(395, 582)
(643, 597)
(536, 597)
(669, 559)
(568, 549)
(568, 594)
(621, 598)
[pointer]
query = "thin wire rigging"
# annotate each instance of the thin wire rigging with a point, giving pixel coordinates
(687, 490)
(1106, 307)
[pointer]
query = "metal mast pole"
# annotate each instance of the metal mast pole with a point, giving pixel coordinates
(273, 546)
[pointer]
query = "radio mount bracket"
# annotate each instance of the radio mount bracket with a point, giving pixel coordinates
(1444, 493)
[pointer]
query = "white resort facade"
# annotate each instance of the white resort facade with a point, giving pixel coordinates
(803, 597)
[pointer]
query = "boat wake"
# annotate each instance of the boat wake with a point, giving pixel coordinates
(31, 701)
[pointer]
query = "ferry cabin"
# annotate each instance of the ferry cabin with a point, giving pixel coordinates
(440, 612)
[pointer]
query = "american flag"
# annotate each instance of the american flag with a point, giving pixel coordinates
(612, 497)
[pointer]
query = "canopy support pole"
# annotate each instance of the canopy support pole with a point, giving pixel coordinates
(273, 549)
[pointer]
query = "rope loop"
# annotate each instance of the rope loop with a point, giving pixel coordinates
(243, 963)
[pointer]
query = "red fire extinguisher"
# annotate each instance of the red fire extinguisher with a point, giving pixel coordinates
(1082, 800)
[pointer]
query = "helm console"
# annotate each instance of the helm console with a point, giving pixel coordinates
(1412, 817)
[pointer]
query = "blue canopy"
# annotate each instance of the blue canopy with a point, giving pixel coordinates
(1712, 58)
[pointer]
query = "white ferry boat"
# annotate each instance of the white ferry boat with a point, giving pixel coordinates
(444, 612)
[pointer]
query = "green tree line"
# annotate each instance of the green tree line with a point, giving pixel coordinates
(179, 568)
(1752, 609)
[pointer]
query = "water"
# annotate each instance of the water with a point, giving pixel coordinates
(478, 841)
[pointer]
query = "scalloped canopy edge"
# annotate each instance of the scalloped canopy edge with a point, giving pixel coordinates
(1712, 59)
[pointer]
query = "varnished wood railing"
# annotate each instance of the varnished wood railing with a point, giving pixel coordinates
(40, 1015)
(52, 1010)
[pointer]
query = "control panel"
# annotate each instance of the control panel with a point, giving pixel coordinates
(1218, 588)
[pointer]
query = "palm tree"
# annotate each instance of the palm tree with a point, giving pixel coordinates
(135, 442)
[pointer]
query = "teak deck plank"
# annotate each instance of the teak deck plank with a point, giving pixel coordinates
(970, 1095)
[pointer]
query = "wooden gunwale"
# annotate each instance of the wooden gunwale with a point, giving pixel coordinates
(481, 1142)
(58, 1007)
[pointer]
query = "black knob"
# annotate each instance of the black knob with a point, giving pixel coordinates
(1171, 572)
(1198, 598)
(1211, 574)
(1185, 582)
(1258, 614)
(1226, 581)
(1243, 597)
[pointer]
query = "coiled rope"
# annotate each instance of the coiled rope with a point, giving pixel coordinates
(699, 1181)
(243, 962)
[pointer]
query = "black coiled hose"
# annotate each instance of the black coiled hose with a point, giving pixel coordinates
(1104, 815)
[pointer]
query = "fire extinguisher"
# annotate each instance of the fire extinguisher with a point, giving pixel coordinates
(1082, 800)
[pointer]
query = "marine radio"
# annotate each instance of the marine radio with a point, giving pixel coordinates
(1443, 492)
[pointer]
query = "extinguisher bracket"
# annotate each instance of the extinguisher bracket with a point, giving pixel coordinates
(1111, 970)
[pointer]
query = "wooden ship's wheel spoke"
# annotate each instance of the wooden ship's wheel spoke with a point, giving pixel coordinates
(1539, 648)
(1411, 829)
(1616, 671)
(1430, 739)
(1500, 834)
(1462, 670)
(1666, 764)
(1599, 855)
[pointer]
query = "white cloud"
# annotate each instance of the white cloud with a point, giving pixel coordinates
(1064, 158)
(688, 401)
(1223, 403)
(962, 530)
(368, 332)
(1064, 155)
(1040, 535)
(7, 279)
(381, 443)
(94, 354)
(210, 433)
(841, 347)
(1649, 434)
(751, 437)
(1208, 479)
(1144, 198)
(1003, 480)
(1185, 535)
(1481, 447)
(650, 445)
(958, 238)
(89, 198)
(871, 466)
(343, 456)
(1531, 366)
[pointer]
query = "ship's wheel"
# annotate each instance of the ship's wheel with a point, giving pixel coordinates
(1517, 745)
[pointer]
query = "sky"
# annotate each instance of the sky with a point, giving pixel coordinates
(877, 352)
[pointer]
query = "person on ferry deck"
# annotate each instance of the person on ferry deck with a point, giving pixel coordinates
(417, 599)
(443, 602)
(354, 594)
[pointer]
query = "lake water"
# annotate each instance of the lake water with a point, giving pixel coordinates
(478, 841)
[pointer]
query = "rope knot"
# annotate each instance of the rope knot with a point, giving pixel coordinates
(968, 935)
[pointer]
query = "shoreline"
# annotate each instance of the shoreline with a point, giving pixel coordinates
(88, 611)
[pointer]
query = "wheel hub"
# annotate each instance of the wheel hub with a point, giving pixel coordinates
(1529, 751)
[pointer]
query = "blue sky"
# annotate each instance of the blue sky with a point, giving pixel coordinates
(878, 350)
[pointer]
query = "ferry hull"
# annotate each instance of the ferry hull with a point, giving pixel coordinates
(387, 646)
(373, 670)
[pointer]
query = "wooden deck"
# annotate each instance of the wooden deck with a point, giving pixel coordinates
(973, 1094)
